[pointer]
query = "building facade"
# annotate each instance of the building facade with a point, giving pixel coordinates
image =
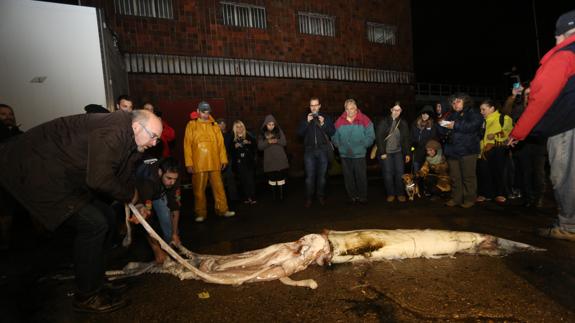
(259, 57)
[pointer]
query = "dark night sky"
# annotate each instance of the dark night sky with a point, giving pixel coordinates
(475, 42)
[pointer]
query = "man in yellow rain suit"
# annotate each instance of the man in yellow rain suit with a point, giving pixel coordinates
(205, 157)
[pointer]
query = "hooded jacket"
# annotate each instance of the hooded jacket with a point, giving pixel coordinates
(204, 148)
(463, 139)
(420, 135)
(352, 139)
(56, 168)
(551, 106)
(275, 158)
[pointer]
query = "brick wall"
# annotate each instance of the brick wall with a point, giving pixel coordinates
(196, 30)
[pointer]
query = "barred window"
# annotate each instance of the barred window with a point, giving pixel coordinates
(380, 33)
(316, 24)
(243, 15)
(145, 8)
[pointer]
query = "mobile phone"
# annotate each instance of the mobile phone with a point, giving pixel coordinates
(516, 85)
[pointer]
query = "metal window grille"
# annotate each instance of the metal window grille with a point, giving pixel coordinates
(194, 65)
(243, 15)
(316, 24)
(380, 33)
(145, 8)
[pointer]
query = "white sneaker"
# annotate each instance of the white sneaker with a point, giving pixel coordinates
(229, 214)
(200, 219)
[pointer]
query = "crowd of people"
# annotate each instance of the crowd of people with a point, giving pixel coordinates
(80, 170)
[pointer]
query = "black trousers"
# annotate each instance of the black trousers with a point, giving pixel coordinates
(491, 173)
(93, 224)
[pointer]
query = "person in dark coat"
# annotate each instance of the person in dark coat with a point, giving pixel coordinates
(462, 129)
(272, 141)
(316, 129)
(422, 131)
(392, 137)
(243, 160)
(66, 171)
(8, 207)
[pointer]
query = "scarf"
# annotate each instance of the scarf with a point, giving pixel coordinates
(435, 159)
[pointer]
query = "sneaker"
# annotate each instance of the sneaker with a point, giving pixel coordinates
(450, 203)
(229, 214)
(200, 219)
(102, 302)
(467, 205)
(556, 233)
(362, 201)
(252, 202)
(480, 199)
(390, 198)
(500, 199)
(401, 198)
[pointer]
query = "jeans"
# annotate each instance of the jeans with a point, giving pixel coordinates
(561, 149)
(92, 223)
(463, 178)
(164, 216)
(392, 169)
(316, 162)
(355, 177)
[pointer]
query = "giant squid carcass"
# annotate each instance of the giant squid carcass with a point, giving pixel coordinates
(280, 261)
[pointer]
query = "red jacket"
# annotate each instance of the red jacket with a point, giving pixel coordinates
(557, 67)
(168, 134)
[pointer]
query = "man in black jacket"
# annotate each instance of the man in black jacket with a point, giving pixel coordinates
(316, 129)
(66, 171)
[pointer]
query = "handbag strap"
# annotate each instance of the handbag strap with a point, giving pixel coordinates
(392, 130)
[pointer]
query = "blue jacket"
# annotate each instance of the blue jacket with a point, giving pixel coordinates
(463, 139)
(353, 138)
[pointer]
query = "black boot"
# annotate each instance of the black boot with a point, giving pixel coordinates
(281, 192)
(273, 186)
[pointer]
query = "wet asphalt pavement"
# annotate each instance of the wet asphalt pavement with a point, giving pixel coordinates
(35, 284)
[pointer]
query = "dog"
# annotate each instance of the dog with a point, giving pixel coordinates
(411, 187)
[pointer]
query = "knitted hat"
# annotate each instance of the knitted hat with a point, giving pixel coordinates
(426, 109)
(433, 144)
(565, 23)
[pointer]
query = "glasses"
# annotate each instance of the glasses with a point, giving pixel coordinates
(152, 135)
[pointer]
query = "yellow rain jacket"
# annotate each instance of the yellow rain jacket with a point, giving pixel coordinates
(493, 127)
(204, 148)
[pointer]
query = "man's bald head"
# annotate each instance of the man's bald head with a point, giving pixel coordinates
(147, 129)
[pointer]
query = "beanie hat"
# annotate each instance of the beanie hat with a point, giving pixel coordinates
(433, 144)
(565, 23)
(204, 107)
(426, 109)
